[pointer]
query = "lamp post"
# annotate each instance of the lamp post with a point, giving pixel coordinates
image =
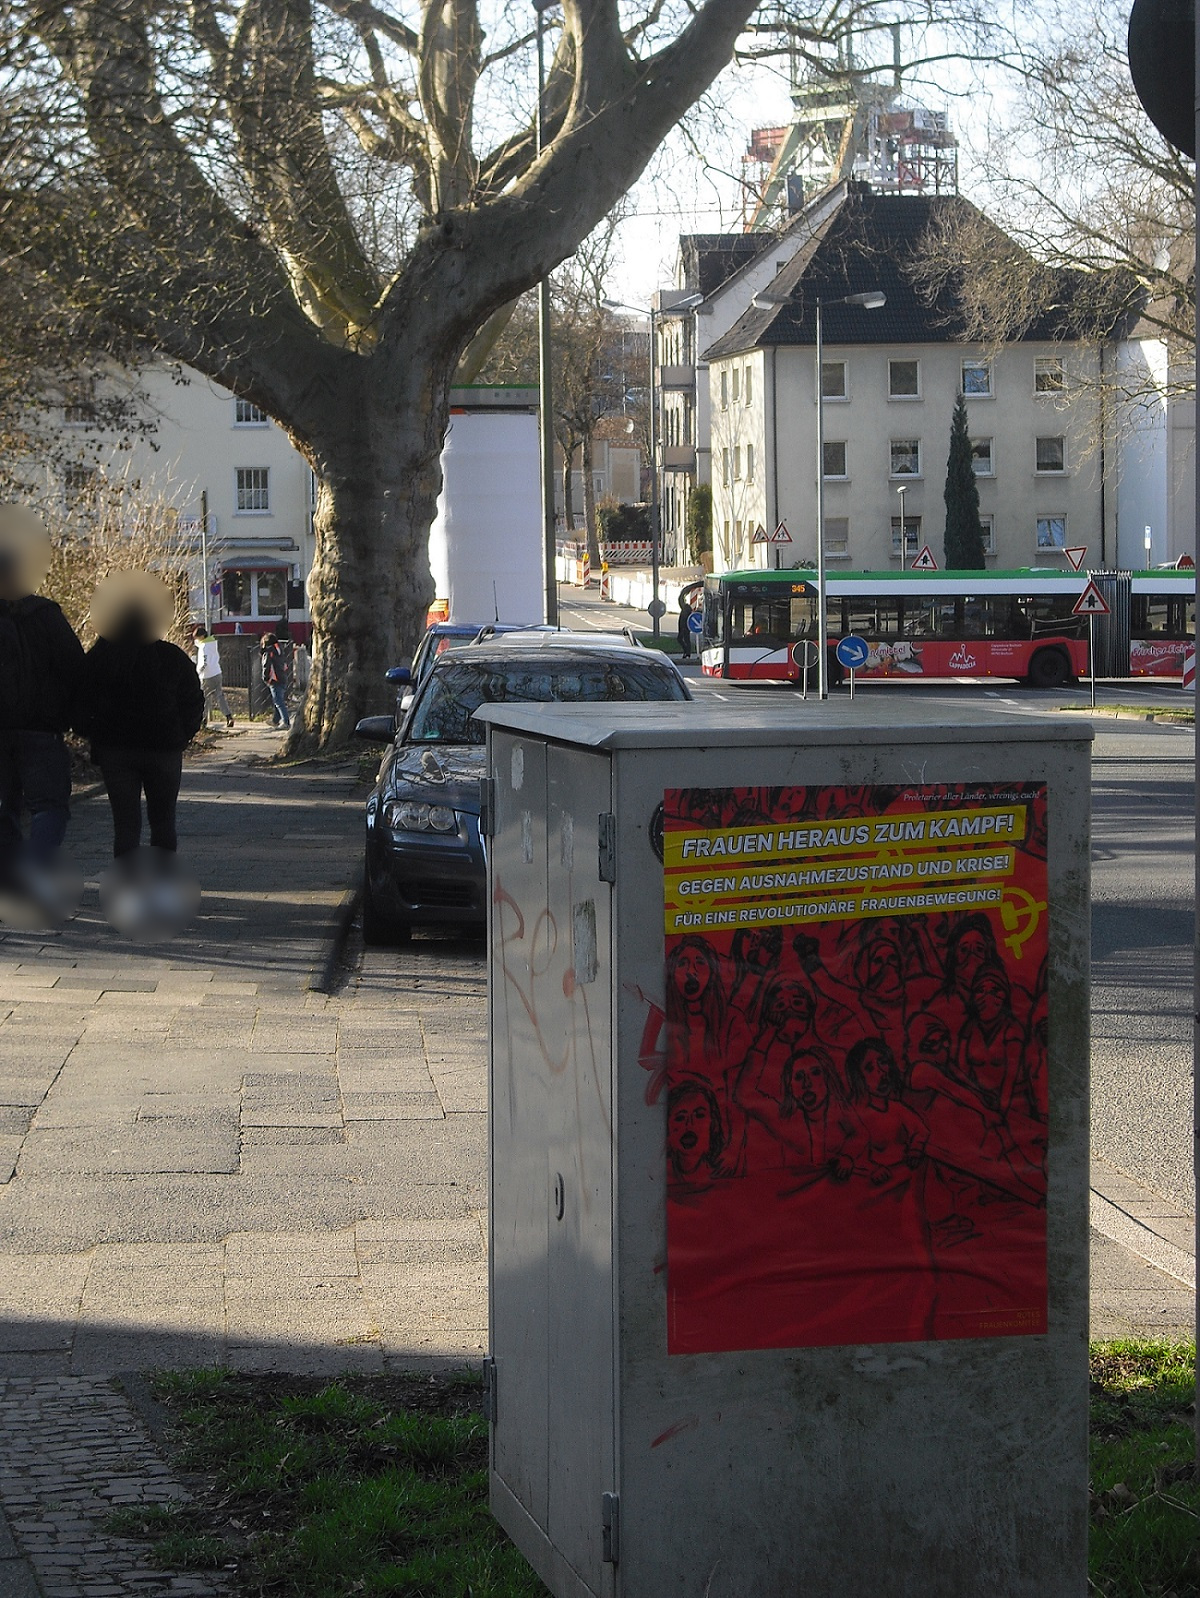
(545, 375)
(870, 301)
(688, 303)
(902, 490)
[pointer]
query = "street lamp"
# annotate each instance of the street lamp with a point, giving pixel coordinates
(870, 301)
(688, 303)
(545, 376)
(902, 490)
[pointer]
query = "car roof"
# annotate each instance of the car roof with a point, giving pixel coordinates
(507, 650)
(561, 637)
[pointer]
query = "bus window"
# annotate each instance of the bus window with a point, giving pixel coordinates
(919, 618)
(1047, 613)
(1161, 616)
(759, 616)
(870, 618)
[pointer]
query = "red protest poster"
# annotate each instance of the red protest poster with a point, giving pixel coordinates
(856, 1026)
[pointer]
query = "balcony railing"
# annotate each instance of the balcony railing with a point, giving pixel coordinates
(672, 379)
(678, 458)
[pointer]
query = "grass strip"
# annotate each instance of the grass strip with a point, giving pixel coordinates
(378, 1484)
(1145, 1495)
(318, 1489)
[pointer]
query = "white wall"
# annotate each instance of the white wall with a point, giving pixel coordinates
(1143, 453)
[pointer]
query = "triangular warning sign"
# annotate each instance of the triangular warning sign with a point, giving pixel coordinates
(1091, 602)
(781, 535)
(760, 535)
(1185, 563)
(925, 561)
(1075, 555)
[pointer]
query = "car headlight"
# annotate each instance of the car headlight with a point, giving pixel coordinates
(409, 815)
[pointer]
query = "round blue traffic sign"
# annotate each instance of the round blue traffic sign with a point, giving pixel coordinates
(695, 622)
(852, 652)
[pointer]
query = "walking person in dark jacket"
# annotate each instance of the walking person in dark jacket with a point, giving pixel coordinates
(275, 675)
(141, 705)
(40, 664)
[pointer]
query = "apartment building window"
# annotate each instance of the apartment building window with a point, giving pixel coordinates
(748, 386)
(977, 379)
(737, 463)
(912, 535)
(1051, 455)
(834, 461)
(837, 535)
(987, 526)
(904, 379)
(77, 480)
(833, 380)
(246, 414)
(737, 384)
(906, 457)
(724, 389)
(981, 457)
(725, 467)
(1052, 532)
(1048, 375)
(749, 463)
(253, 490)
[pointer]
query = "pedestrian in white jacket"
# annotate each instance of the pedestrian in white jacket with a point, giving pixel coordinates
(208, 669)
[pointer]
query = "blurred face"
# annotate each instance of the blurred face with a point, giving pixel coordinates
(689, 1131)
(691, 975)
(810, 1084)
(875, 1074)
(990, 1000)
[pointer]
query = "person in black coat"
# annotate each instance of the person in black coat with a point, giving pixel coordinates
(141, 704)
(40, 665)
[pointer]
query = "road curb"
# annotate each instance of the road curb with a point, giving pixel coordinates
(1139, 1219)
(324, 978)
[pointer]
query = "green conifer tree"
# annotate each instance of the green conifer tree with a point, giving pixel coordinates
(964, 531)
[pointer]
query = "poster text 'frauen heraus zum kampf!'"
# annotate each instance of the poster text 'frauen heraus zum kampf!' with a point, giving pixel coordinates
(856, 1000)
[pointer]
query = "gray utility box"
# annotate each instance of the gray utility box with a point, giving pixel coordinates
(789, 1149)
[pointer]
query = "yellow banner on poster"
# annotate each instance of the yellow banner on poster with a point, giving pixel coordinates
(689, 847)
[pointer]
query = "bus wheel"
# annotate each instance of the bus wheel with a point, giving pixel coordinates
(1049, 668)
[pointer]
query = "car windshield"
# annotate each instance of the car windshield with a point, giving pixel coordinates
(443, 714)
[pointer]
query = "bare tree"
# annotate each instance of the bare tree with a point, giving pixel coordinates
(1097, 211)
(184, 170)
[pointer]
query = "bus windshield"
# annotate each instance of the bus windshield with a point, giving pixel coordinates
(771, 616)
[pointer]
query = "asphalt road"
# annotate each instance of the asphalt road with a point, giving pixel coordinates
(1143, 876)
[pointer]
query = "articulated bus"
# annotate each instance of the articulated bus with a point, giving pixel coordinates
(950, 624)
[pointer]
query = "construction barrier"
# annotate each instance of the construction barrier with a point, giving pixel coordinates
(1189, 672)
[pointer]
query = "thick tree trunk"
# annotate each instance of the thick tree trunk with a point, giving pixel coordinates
(379, 475)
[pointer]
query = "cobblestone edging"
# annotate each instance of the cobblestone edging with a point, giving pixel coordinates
(73, 1452)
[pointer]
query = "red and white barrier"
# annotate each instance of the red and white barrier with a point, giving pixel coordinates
(1189, 672)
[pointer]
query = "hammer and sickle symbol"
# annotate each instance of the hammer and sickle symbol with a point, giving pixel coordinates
(1021, 913)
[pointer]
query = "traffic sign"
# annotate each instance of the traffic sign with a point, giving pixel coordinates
(1185, 563)
(695, 622)
(657, 609)
(925, 561)
(804, 654)
(1075, 555)
(760, 535)
(1091, 602)
(781, 535)
(852, 651)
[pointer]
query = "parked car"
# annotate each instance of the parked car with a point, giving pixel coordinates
(440, 636)
(424, 863)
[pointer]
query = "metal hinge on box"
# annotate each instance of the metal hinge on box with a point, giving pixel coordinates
(608, 846)
(487, 807)
(489, 1391)
(610, 1520)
